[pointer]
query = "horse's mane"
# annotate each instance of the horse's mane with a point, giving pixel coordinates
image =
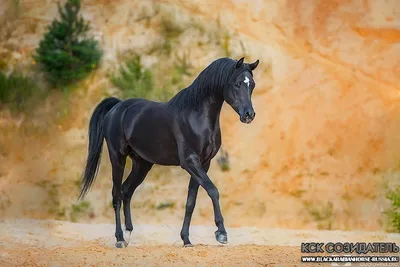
(209, 82)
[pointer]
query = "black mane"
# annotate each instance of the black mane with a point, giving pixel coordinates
(210, 82)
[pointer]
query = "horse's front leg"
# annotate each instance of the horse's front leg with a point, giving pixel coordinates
(191, 163)
(190, 204)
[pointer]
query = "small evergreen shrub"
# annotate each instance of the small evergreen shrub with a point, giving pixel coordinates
(65, 53)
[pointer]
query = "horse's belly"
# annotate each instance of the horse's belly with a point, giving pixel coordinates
(148, 134)
(157, 156)
(156, 148)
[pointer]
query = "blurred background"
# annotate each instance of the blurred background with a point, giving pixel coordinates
(322, 153)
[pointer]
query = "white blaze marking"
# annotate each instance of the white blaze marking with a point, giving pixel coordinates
(247, 81)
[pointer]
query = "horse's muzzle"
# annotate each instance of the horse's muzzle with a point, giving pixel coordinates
(248, 116)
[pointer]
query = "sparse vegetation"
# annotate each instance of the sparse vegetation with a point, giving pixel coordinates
(54, 206)
(53, 198)
(133, 79)
(223, 161)
(4, 58)
(147, 14)
(16, 3)
(393, 213)
(244, 52)
(65, 53)
(182, 64)
(225, 44)
(169, 31)
(321, 213)
(165, 205)
(181, 68)
(169, 27)
(16, 89)
(174, 73)
(3, 64)
(159, 83)
(222, 37)
(78, 182)
(78, 210)
(224, 167)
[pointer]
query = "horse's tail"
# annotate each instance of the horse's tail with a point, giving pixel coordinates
(96, 139)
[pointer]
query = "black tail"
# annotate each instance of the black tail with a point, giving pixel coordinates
(96, 139)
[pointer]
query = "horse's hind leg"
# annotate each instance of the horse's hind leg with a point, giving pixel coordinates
(140, 168)
(118, 164)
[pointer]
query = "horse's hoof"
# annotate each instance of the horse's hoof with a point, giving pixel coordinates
(127, 236)
(221, 237)
(121, 244)
(188, 245)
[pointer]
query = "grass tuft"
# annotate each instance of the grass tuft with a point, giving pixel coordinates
(393, 213)
(17, 90)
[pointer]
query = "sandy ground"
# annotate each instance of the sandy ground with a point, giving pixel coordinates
(54, 243)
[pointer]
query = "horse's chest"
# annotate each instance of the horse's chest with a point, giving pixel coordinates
(210, 145)
(204, 135)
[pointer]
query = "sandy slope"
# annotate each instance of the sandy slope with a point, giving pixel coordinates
(38, 243)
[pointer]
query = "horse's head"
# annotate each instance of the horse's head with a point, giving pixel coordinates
(239, 89)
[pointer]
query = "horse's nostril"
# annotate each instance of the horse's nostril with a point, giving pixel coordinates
(247, 114)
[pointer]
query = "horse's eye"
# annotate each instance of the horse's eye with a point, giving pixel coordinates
(237, 84)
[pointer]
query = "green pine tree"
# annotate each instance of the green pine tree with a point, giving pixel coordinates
(65, 53)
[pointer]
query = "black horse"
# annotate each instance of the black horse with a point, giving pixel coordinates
(184, 132)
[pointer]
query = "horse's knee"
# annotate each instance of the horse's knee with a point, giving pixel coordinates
(116, 203)
(117, 198)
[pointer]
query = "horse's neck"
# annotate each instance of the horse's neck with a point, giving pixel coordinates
(212, 109)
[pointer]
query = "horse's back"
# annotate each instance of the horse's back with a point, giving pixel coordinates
(115, 116)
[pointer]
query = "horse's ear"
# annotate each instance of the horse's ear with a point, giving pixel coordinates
(254, 65)
(239, 63)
